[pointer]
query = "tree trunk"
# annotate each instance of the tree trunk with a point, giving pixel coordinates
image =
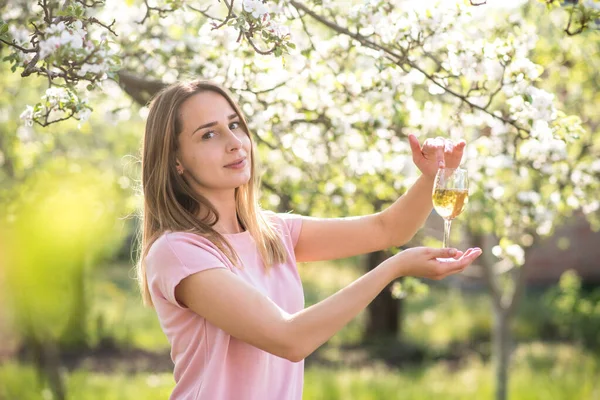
(501, 336)
(47, 362)
(383, 313)
(75, 337)
(502, 349)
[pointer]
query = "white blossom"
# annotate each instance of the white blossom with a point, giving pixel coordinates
(27, 116)
(84, 114)
(59, 35)
(529, 197)
(542, 104)
(56, 95)
(541, 131)
(517, 253)
(255, 7)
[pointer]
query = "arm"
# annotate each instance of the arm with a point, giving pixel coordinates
(233, 305)
(325, 239)
(346, 237)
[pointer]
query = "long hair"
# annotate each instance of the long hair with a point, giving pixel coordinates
(170, 204)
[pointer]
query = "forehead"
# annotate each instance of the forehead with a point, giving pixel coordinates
(203, 108)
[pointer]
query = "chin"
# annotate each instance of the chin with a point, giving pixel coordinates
(243, 180)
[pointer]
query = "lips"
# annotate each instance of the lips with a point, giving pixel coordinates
(237, 163)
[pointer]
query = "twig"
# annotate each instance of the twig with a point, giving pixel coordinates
(16, 46)
(93, 4)
(230, 14)
(95, 21)
(46, 122)
(157, 9)
(259, 51)
(204, 12)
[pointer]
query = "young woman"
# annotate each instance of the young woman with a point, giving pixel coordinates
(221, 273)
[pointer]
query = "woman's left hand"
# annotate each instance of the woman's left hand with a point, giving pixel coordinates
(436, 153)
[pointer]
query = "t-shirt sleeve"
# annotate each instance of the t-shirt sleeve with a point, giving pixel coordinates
(293, 223)
(175, 256)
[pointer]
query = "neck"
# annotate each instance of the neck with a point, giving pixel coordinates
(224, 203)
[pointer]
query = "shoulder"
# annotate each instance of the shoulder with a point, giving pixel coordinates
(175, 256)
(288, 224)
(180, 247)
(170, 241)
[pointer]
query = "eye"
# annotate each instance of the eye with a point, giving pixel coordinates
(234, 125)
(208, 135)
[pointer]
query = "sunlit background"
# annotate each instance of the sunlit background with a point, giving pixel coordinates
(330, 120)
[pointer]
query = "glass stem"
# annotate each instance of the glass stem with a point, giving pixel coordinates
(447, 223)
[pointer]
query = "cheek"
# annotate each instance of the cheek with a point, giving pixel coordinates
(247, 143)
(197, 159)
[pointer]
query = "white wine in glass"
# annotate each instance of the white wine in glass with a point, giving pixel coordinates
(450, 196)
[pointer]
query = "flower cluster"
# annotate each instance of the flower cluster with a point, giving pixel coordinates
(257, 8)
(63, 35)
(57, 103)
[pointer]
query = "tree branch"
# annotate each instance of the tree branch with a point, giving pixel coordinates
(16, 46)
(140, 89)
(399, 59)
(230, 14)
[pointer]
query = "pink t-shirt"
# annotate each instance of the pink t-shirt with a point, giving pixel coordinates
(210, 364)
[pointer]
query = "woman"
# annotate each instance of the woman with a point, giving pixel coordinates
(222, 274)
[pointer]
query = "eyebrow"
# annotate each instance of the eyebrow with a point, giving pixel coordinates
(208, 125)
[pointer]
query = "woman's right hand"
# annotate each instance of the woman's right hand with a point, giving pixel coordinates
(422, 262)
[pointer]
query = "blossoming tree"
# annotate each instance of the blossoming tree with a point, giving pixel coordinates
(331, 92)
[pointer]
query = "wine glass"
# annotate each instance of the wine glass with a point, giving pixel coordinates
(450, 195)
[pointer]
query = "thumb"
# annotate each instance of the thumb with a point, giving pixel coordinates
(443, 253)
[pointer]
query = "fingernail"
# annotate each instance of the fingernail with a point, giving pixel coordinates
(452, 252)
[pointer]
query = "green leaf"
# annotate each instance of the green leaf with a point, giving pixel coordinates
(291, 45)
(3, 28)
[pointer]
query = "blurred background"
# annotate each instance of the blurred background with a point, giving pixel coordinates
(522, 324)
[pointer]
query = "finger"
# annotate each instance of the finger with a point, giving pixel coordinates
(458, 255)
(442, 253)
(467, 253)
(439, 153)
(469, 256)
(415, 147)
(457, 152)
(464, 261)
(448, 147)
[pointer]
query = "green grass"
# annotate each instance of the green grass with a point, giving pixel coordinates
(539, 372)
(437, 322)
(568, 375)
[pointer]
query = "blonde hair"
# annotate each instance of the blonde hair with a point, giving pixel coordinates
(170, 204)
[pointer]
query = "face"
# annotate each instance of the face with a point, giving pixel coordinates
(211, 144)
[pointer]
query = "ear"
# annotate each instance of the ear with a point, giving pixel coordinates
(178, 166)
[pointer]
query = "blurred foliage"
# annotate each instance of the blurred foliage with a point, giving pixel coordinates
(576, 312)
(62, 220)
(63, 189)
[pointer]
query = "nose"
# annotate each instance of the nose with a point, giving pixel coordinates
(234, 143)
